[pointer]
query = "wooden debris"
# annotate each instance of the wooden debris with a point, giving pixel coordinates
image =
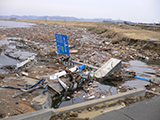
(73, 51)
(24, 73)
(94, 86)
(153, 67)
(23, 108)
(92, 54)
(91, 97)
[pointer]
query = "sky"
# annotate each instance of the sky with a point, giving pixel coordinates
(130, 10)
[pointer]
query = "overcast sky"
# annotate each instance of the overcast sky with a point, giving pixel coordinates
(130, 10)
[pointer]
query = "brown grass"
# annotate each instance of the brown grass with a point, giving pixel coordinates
(140, 34)
(68, 23)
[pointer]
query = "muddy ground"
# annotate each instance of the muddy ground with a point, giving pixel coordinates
(89, 45)
(8, 104)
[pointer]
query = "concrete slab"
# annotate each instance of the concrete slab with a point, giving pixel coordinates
(42, 101)
(25, 62)
(108, 68)
(57, 87)
(30, 81)
(39, 101)
(155, 79)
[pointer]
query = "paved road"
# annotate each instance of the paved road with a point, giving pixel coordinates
(144, 110)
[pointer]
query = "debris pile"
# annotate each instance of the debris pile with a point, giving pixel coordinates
(41, 74)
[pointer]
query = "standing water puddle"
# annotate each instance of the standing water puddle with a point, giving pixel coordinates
(140, 68)
(79, 95)
(4, 60)
(10, 53)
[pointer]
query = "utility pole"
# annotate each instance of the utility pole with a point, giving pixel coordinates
(46, 20)
(65, 22)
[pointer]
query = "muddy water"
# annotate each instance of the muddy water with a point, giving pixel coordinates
(13, 24)
(3, 42)
(79, 96)
(12, 50)
(4, 60)
(140, 68)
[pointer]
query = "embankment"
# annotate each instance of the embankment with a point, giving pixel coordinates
(133, 36)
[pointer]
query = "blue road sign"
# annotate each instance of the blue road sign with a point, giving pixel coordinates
(62, 44)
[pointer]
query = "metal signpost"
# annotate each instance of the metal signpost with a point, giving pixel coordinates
(62, 44)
